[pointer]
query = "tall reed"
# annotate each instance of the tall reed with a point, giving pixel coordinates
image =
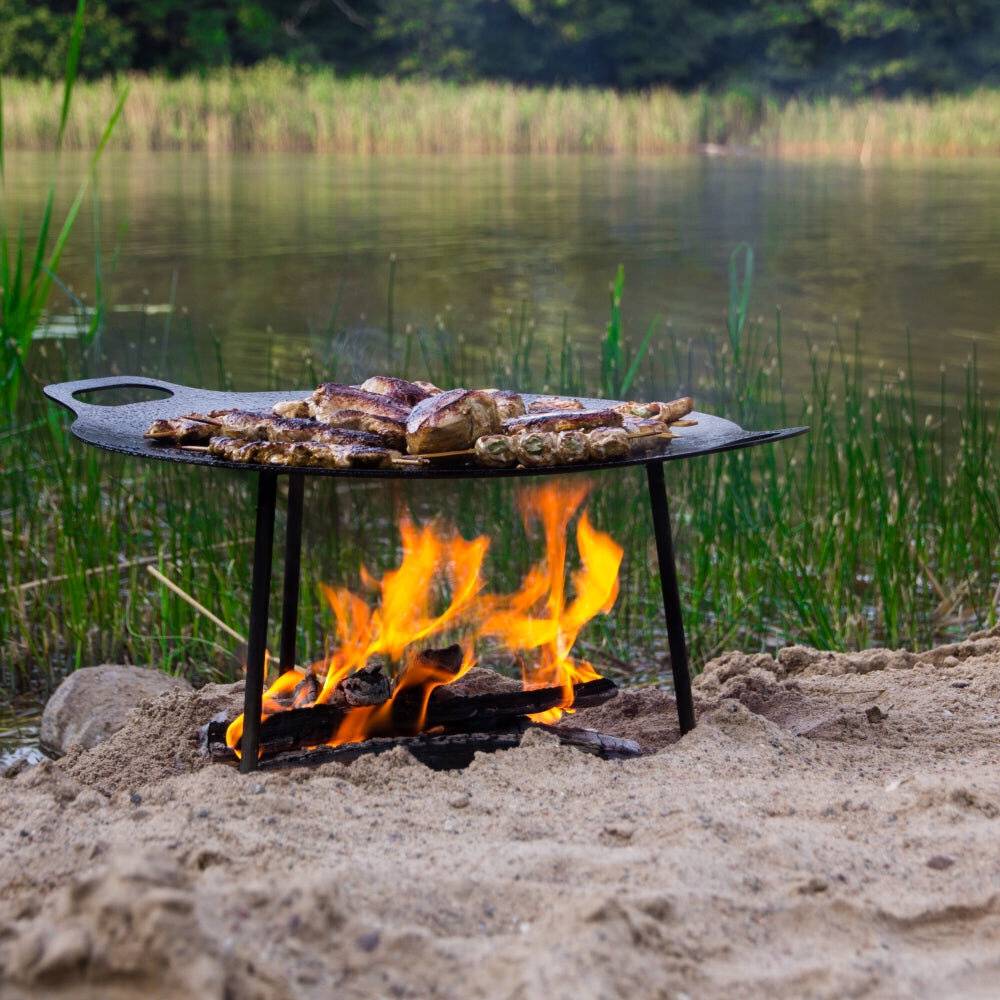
(27, 273)
(273, 107)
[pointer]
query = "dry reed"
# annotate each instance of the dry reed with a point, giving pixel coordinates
(274, 108)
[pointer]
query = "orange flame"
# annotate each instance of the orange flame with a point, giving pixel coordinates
(537, 619)
(441, 569)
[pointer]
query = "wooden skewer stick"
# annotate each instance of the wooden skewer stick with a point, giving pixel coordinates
(198, 606)
(195, 604)
(193, 447)
(446, 454)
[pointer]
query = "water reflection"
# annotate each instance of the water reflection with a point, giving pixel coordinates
(263, 251)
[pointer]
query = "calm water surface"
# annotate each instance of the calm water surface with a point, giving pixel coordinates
(265, 250)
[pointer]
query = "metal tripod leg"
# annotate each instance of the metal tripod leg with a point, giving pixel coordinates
(293, 564)
(260, 597)
(671, 596)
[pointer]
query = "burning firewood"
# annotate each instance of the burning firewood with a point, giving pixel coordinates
(368, 686)
(449, 713)
(449, 751)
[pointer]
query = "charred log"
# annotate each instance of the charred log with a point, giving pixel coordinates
(298, 728)
(449, 751)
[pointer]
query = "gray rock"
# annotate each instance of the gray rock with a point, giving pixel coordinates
(93, 703)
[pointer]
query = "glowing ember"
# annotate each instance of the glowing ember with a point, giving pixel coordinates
(441, 570)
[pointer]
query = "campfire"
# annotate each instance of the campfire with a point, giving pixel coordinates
(401, 664)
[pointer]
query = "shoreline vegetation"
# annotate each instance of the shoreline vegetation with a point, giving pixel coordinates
(275, 108)
(879, 527)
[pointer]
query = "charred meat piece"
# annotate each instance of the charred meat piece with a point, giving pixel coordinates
(429, 387)
(545, 404)
(400, 391)
(297, 429)
(664, 412)
(606, 443)
(249, 425)
(300, 454)
(496, 451)
(646, 427)
(182, 430)
(451, 421)
(635, 410)
(233, 449)
(390, 431)
(292, 408)
(331, 397)
(676, 409)
(571, 420)
(339, 456)
(509, 404)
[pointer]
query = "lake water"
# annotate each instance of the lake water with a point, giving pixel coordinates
(264, 250)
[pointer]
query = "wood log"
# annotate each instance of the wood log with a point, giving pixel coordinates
(448, 751)
(296, 728)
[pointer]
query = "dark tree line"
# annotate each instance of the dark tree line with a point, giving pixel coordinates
(782, 46)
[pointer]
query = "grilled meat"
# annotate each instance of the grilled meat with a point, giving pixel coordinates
(571, 447)
(297, 429)
(182, 430)
(638, 427)
(292, 408)
(250, 425)
(509, 404)
(571, 420)
(665, 412)
(342, 426)
(535, 448)
(545, 404)
(496, 451)
(331, 397)
(451, 421)
(301, 453)
(606, 443)
(398, 390)
(390, 431)
(676, 409)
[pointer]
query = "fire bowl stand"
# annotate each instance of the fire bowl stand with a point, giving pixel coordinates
(260, 598)
(122, 427)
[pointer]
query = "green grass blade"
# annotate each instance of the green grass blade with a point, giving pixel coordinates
(739, 295)
(634, 367)
(72, 65)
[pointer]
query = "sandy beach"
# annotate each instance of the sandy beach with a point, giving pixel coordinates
(829, 829)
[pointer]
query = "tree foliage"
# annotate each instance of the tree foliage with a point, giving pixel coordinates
(780, 46)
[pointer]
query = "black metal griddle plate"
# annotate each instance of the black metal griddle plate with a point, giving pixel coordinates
(121, 428)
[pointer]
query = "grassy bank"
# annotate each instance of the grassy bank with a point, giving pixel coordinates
(272, 108)
(880, 526)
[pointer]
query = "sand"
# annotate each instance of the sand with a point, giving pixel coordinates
(830, 829)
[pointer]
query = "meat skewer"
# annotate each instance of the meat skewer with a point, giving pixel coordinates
(300, 454)
(571, 420)
(346, 426)
(331, 397)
